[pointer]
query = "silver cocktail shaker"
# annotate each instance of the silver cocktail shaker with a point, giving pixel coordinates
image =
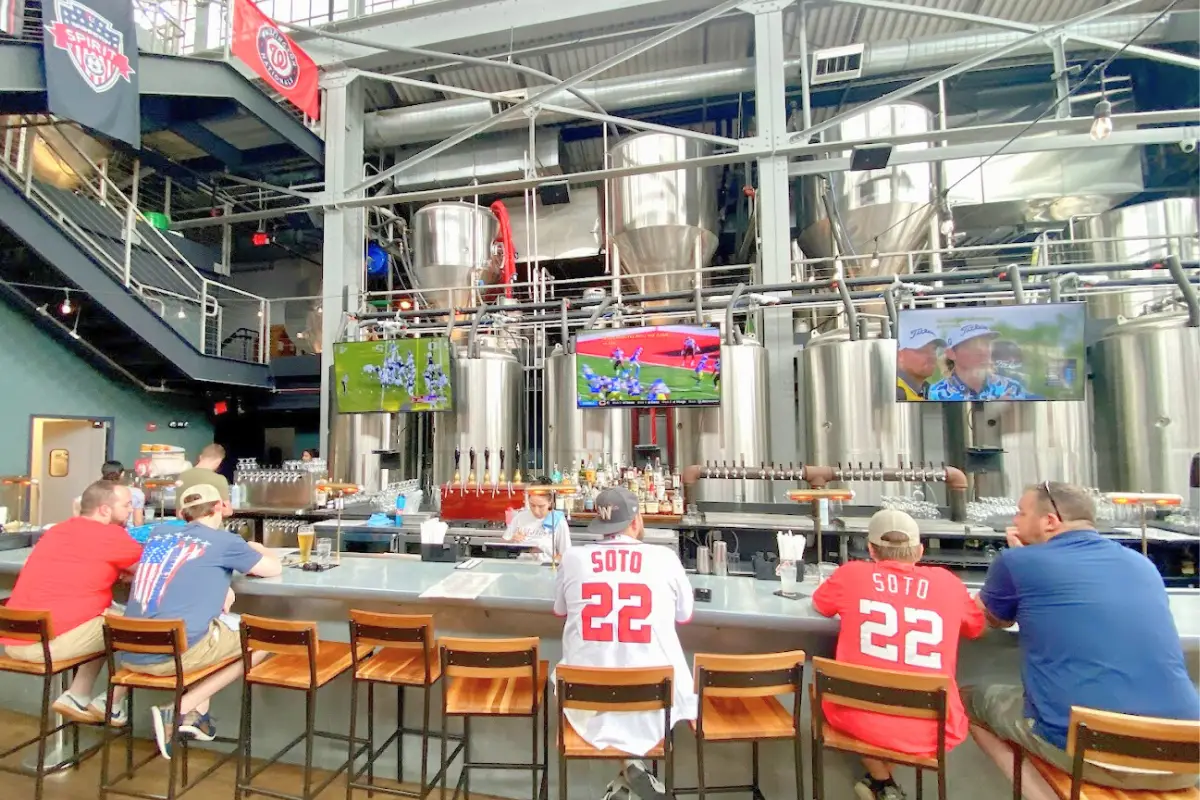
(703, 561)
(720, 559)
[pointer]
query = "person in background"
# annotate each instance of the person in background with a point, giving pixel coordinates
(916, 360)
(622, 601)
(205, 471)
(114, 471)
(539, 524)
(306, 456)
(970, 372)
(185, 573)
(901, 616)
(1096, 630)
(70, 573)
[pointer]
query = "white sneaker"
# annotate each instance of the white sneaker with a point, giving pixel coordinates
(72, 708)
(118, 719)
(643, 784)
(619, 790)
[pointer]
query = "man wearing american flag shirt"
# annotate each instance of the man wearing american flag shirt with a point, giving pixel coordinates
(622, 600)
(185, 573)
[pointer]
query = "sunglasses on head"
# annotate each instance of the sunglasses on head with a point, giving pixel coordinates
(1050, 497)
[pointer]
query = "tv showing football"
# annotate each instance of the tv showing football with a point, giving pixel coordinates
(1018, 352)
(393, 375)
(663, 365)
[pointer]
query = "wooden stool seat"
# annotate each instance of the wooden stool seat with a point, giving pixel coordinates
(140, 680)
(39, 667)
(837, 740)
(575, 746)
(731, 719)
(292, 671)
(496, 697)
(396, 666)
(1060, 782)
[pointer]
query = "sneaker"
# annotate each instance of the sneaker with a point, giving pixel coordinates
(71, 707)
(198, 726)
(618, 790)
(117, 719)
(644, 785)
(164, 721)
(868, 789)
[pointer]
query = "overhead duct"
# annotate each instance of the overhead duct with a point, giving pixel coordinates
(485, 159)
(429, 121)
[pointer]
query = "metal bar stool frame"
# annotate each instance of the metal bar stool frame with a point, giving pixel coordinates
(908, 694)
(622, 689)
(159, 637)
(496, 659)
(35, 627)
(284, 638)
(741, 677)
(395, 632)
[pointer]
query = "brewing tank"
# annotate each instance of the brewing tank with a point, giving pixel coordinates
(735, 433)
(851, 410)
(1138, 234)
(574, 433)
(1039, 441)
(354, 445)
(1145, 377)
(452, 250)
(488, 413)
(663, 221)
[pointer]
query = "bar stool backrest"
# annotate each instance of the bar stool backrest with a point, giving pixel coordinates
(615, 688)
(491, 658)
(903, 694)
(392, 632)
(164, 637)
(1123, 740)
(27, 626)
(767, 675)
(280, 637)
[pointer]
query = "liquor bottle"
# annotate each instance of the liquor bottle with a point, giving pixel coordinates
(677, 502)
(556, 475)
(589, 471)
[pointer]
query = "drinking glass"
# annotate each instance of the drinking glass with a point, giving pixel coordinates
(304, 537)
(324, 549)
(787, 578)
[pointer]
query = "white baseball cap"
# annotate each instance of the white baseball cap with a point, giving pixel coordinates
(892, 521)
(918, 337)
(967, 331)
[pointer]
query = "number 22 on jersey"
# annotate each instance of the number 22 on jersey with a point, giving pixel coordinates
(634, 599)
(879, 634)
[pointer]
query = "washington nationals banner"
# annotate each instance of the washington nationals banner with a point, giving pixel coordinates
(275, 57)
(12, 16)
(91, 57)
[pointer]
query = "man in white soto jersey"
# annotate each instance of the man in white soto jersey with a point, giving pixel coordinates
(622, 600)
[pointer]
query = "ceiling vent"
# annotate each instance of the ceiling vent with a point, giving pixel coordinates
(837, 64)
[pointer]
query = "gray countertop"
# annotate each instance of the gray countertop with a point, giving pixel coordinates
(736, 601)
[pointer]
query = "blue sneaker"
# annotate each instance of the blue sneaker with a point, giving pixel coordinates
(198, 726)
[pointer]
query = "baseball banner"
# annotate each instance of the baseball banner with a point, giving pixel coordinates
(91, 57)
(12, 17)
(275, 57)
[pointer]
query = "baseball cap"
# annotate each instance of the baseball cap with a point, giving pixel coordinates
(918, 337)
(615, 510)
(198, 495)
(892, 521)
(970, 330)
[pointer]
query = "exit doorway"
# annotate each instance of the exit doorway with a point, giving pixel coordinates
(65, 456)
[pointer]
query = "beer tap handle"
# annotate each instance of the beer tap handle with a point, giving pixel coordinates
(517, 464)
(501, 476)
(487, 466)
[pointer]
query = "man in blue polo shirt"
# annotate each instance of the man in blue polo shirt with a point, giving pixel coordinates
(1095, 630)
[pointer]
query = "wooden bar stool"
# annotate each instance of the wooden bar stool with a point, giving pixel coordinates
(155, 637)
(739, 702)
(614, 689)
(299, 661)
(34, 627)
(902, 694)
(495, 678)
(406, 658)
(1122, 740)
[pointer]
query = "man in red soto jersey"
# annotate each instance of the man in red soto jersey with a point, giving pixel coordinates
(622, 600)
(900, 616)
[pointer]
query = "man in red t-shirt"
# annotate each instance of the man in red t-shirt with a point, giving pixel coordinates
(899, 616)
(70, 573)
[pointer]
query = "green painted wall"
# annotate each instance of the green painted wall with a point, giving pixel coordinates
(39, 376)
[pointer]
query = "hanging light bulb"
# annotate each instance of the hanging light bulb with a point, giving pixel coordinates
(875, 258)
(66, 308)
(1102, 124)
(182, 314)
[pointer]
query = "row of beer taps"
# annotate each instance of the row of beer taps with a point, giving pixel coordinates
(923, 472)
(479, 482)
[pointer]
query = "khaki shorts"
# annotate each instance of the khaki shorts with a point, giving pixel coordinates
(1001, 709)
(219, 644)
(82, 640)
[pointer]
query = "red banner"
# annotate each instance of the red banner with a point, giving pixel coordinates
(275, 57)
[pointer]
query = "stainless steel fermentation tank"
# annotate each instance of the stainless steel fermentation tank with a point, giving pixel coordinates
(851, 410)
(1146, 381)
(452, 251)
(354, 447)
(574, 433)
(1038, 441)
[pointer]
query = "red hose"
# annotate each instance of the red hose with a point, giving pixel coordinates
(504, 237)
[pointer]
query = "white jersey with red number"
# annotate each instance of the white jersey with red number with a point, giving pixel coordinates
(622, 600)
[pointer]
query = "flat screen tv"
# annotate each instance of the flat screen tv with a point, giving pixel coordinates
(1020, 352)
(663, 365)
(394, 375)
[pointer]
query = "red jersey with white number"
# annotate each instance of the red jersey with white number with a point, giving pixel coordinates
(902, 617)
(622, 600)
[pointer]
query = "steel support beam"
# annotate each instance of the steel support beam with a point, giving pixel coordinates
(548, 92)
(965, 66)
(345, 228)
(1151, 53)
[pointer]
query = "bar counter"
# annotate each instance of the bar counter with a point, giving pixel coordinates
(744, 616)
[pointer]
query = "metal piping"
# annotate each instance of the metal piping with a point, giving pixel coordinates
(1190, 298)
(472, 343)
(893, 316)
(604, 305)
(843, 291)
(732, 334)
(429, 121)
(698, 300)
(568, 347)
(1014, 278)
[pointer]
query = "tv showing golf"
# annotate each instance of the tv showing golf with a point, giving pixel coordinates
(395, 375)
(663, 365)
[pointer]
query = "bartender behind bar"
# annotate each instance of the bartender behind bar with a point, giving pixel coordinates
(537, 525)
